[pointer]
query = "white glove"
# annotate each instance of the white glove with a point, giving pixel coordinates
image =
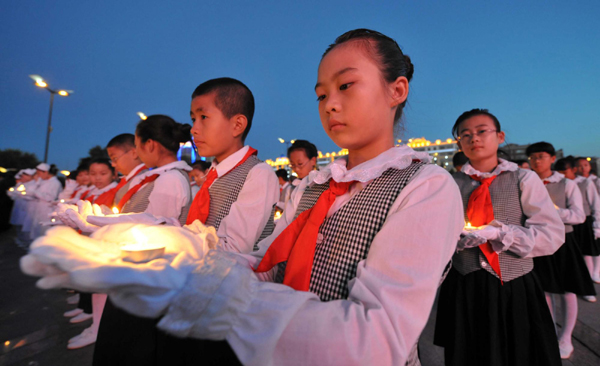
(135, 218)
(217, 291)
(66, 259)
(498, 234)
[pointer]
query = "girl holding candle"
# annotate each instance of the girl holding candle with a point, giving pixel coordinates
(492, 310)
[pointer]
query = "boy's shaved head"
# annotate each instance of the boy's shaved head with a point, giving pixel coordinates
(232, 97)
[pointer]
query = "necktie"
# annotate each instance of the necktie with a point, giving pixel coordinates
(133, 190)
(297, 243)
(200, 207)
(480, 211)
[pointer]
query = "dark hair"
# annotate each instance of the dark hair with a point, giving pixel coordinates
(282, 173)
(53, 169)
(232, 97)
(472, 113)
(85, 165)
(309, 148)
(201, 165)
(104, 161)
(459, 159)
(564, 164)
(540, 147)
(125, 141)
(575, 160)
(385, 52)
(164, 130)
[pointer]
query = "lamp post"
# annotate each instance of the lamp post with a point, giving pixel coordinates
(63, 93)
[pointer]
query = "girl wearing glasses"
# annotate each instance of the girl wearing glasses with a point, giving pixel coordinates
(492, 310)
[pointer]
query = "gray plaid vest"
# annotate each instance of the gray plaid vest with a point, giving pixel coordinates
(121, 192)
(557, 193)
(506, 199)
(586, 203)
(224, 192)
(139, 201)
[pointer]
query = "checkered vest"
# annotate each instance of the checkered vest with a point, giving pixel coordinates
(344, 238)
(557, 193)
(224, 192)
(121, 192)
(140, 200)
(506, 199)
(586, 203)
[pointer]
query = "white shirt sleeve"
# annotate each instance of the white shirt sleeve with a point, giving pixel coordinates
(170, 194)
(594, 201)
(389, 302)
(248, 215)
(48, 191)
(573, 214)
(544, 231)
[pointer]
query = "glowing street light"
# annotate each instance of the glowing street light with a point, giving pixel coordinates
(142, 116)
(39, 81)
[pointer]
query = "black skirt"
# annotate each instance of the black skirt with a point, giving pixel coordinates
(483, 323)
(584, 234)
(565, 270)
(129, 340)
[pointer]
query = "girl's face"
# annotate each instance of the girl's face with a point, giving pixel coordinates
(583, 167)
(83, 178)
(25, 178)
(301, 164)
(101, 175)
(569, 173)
(356, 104)
(478, 138)
(144, 152)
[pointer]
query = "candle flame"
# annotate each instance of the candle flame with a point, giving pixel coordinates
(277, 215)
(468, 225)
(115, 210)
(21, 188)
(11, 189)
(62, 201)
(139, 238)
(23, 193)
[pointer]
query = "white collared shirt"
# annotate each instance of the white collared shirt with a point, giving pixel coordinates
(543, 232)
(171, 192)
(590, 193)
(573, 214)
(48, 190)
(391, 296)
(248, 215)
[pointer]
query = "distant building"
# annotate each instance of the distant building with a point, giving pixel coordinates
(440, 151)
(517, 152)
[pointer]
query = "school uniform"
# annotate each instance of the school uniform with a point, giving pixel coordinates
(125, 182)
(377, 264)
(19, 211)
(565, 270)
(587, 233)
(195, 189)
(163, 191)
(482, 320)
(284, 195)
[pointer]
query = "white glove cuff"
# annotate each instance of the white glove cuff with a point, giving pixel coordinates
(209, 304)
(505, 239)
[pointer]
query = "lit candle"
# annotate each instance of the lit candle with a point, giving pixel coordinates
(141, 252)
(277, 215)
(23, 193)
(115, 210)
(21, 188)
(468, 225)
(11, 189)
(62, 201)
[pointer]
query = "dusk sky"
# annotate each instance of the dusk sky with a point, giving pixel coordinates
(534, 64)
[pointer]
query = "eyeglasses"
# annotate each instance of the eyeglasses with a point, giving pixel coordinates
(468, 136)
(114, 160)
(296, 166)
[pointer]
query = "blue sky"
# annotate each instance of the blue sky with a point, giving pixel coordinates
(533, 64)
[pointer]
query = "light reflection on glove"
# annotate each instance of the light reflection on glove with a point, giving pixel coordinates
(65, 259)
(495, 232)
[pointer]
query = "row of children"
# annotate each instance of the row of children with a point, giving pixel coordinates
(350, 272)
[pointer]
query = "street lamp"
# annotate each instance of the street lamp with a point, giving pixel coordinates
(142, 116)
(63, 93)
(287, 143)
